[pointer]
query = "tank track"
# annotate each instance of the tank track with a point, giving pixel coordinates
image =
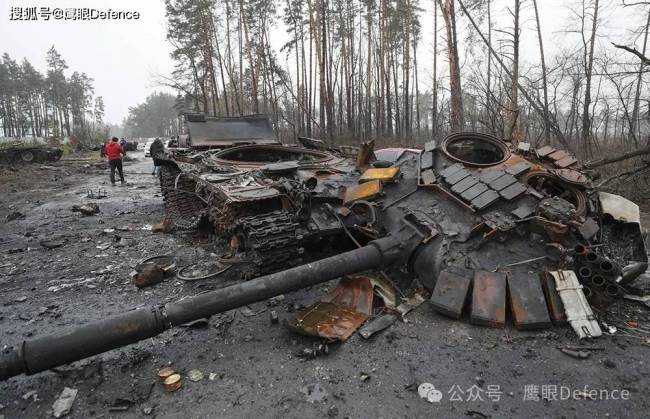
(274, 240)
(223, 218)
(181, 208)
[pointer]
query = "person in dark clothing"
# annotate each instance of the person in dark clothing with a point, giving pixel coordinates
(156, 149)
(114, 153)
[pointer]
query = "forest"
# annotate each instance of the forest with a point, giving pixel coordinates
(51, 104)
(351, 70)
(398, 71)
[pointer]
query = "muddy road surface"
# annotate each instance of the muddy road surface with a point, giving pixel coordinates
(60, 269)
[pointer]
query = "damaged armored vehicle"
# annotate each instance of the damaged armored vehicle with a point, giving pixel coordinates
(19, 154)
(497, 233)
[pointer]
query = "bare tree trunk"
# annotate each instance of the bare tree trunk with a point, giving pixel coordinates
(456, 104)
(407, 69)
(417, 88)
(547, 131)
(637, 97)
(554, 125)
(586, 120)
(488, 95)
(514, 96)
(434, 111)
(368, 122)
(251, 63)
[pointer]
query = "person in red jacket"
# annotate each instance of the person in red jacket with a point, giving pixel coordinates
(114, 153)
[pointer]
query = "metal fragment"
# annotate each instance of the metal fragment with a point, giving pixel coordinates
(377, 325)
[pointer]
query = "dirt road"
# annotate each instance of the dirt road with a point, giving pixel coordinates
(250, 366)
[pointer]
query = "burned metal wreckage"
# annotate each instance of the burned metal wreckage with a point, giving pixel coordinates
(488, 229)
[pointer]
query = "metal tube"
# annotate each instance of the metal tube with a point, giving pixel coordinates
(50, 351)
(584, 272)
(597, 281)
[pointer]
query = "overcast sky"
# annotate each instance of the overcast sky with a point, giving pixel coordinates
(123, 56)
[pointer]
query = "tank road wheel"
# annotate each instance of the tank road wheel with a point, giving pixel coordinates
(27, 156)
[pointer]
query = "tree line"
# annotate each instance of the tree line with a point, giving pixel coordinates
(353, 69)
(157, 116)
(53, 104)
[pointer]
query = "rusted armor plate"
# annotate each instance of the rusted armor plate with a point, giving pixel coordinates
(545, 151)
(513, 191)
(572, 176)
(553, 300)
(457, 176)
(558, 155)
(523, 211)
(566, 162)
(502, 182)
(464, 184)
(426, 161)
(485, 199)
(487, 177)
(445, 173)
(474, 191)
(527, 302)
(489, 299)
(518, 168)
(450, 292)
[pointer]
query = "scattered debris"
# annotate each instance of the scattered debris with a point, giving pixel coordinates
(16, 215)
(339, 313)
(98, 194)
(315, 393)
(172, 383)
(103, 246)
(31, 395)
(202, 270)
(86, 209)
(578, 354)
(378, 324)
(165, 226)
(274, 317)
(53, 243)
(364, 376)
(411, 303)
(195, 375)
(196, 324)
(313, 352)
(165, 373)
(63, 404)
(121, 405)
(149, 274)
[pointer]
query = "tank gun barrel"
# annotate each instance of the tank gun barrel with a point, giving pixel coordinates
(50, 351)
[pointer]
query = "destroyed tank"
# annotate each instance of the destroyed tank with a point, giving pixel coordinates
(498, 234)
(20, 154)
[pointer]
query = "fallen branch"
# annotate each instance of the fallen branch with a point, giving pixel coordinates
(644, 60)
(609, 160)
(627, 174)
